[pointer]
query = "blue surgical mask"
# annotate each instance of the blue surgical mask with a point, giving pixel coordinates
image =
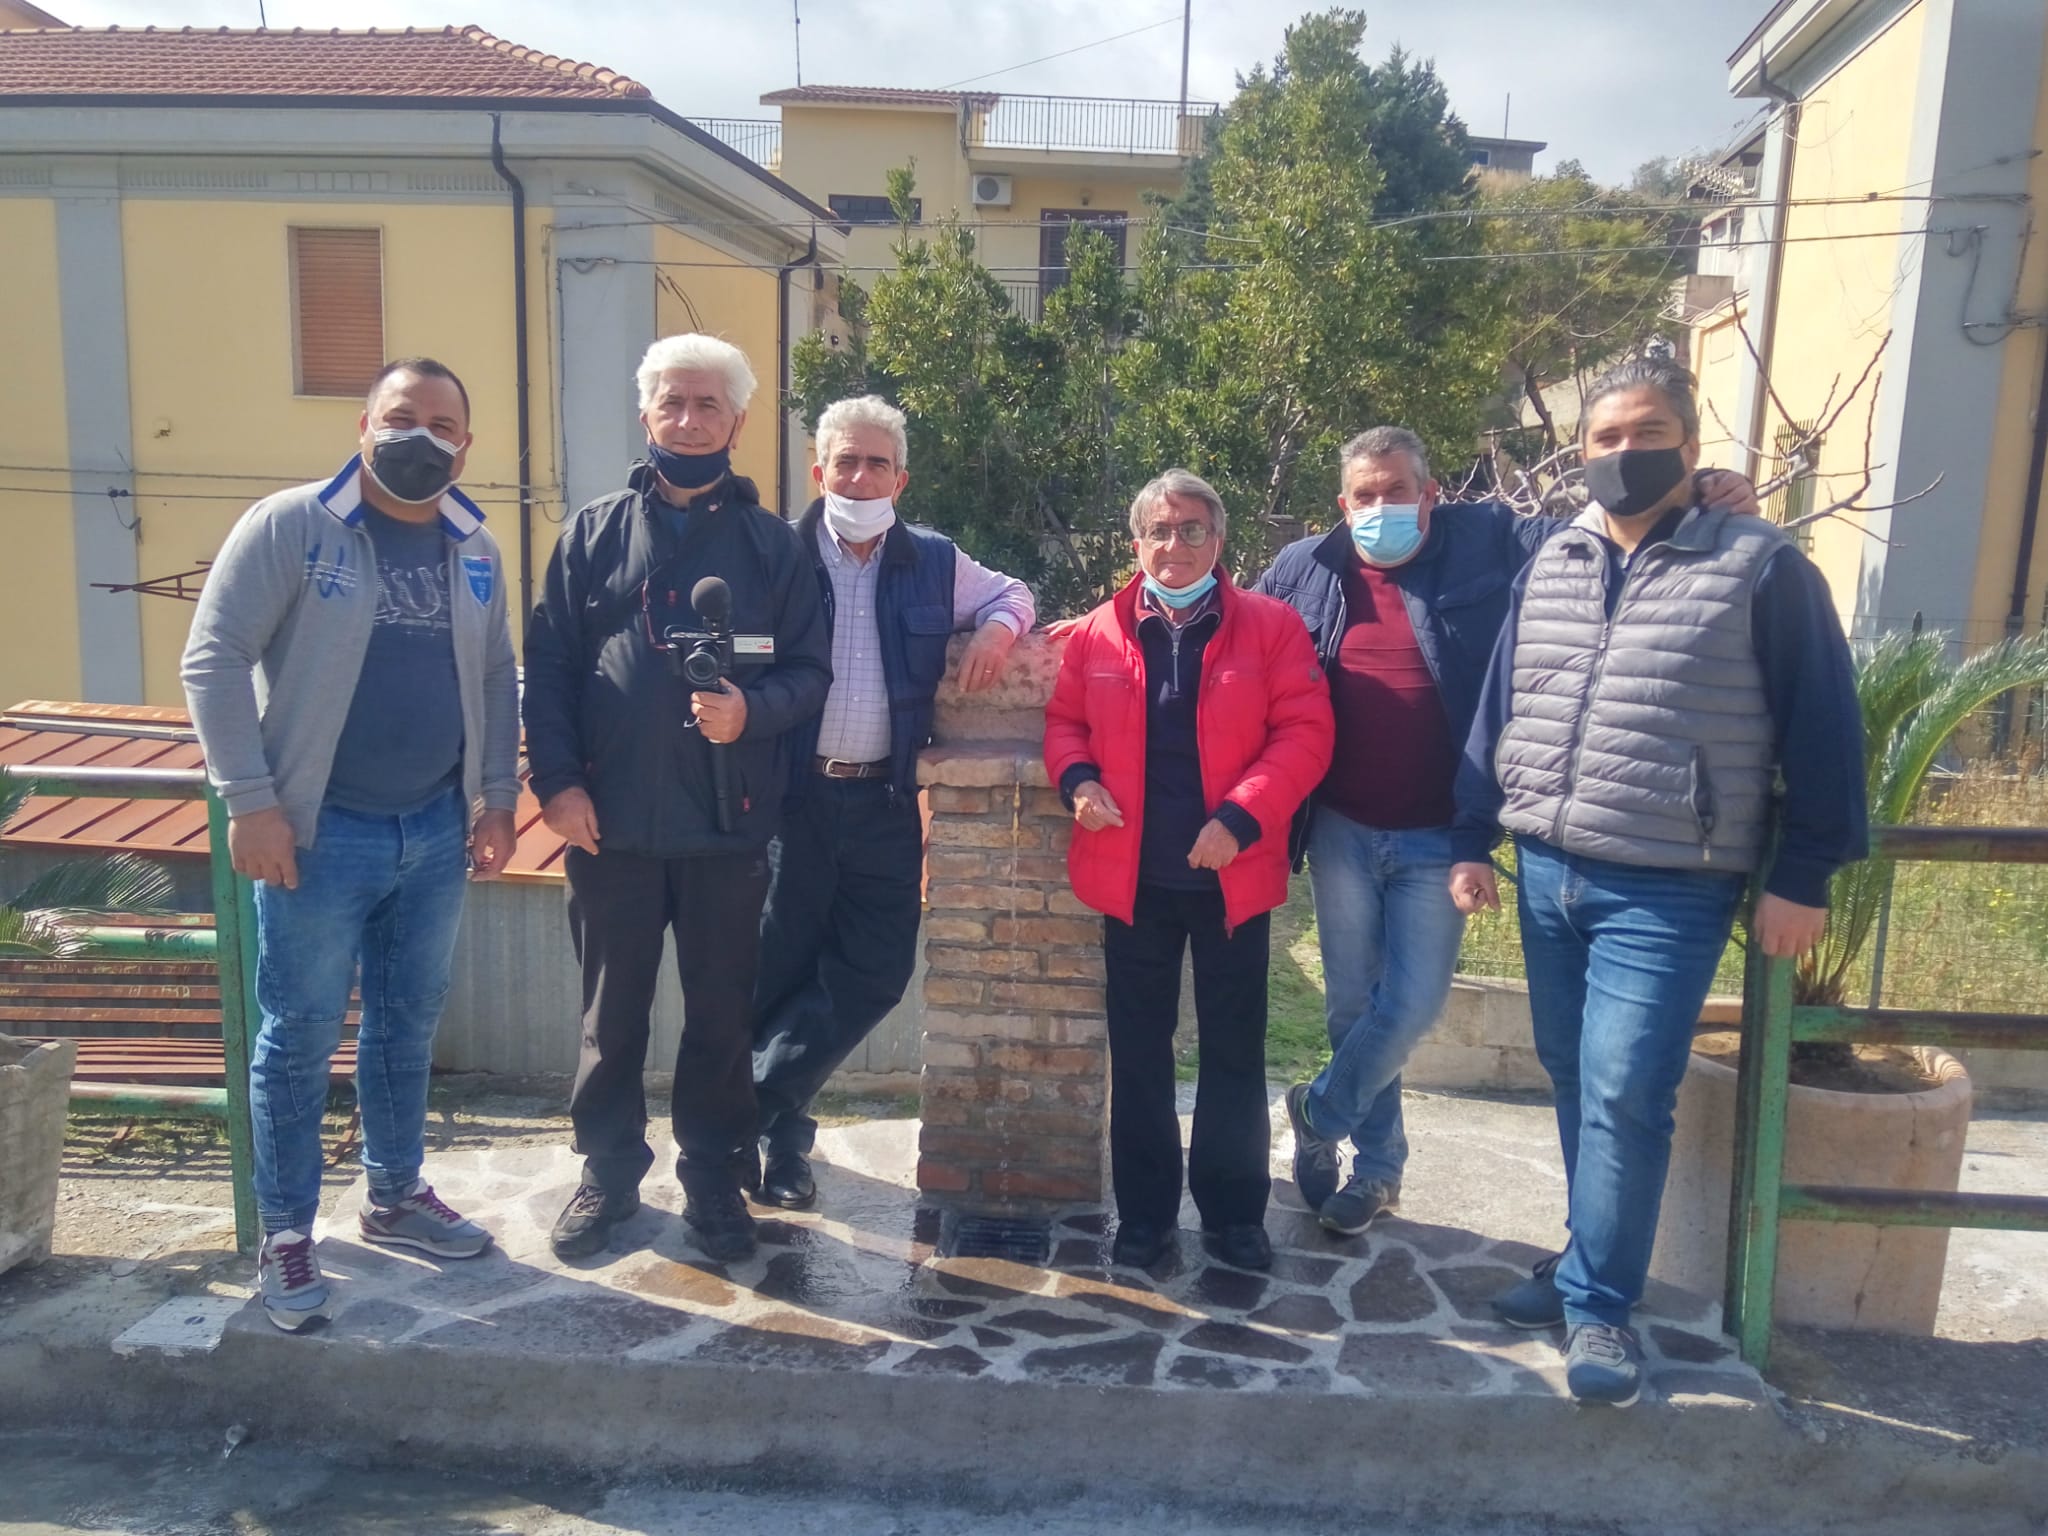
(1181, 597)
(1387, 535)
(689, 471)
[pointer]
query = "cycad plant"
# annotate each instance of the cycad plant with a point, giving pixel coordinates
(42, 919)
(1913, 700)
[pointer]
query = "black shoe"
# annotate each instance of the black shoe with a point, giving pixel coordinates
(717, 1213)
(587, 1220)
(787, 1181)
(1245, 1246)
(746, 1166)
(1359, 1204)
(1140, 1247)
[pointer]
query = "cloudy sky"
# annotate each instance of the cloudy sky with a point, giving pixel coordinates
(1609, 84)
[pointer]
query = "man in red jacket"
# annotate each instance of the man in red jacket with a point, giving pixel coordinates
(1190, 720)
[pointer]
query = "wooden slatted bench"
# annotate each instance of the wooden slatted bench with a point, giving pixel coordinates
(136, 1021)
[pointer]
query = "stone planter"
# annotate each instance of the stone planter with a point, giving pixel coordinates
(35, 1091)
(1835, 1275)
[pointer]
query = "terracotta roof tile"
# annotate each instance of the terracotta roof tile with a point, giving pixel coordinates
(873, 95)
(453, 62)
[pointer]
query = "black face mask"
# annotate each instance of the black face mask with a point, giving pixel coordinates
(414, 466)
(1634, 480)
(689, 471)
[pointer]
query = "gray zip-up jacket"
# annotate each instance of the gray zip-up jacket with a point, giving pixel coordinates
(278, 643)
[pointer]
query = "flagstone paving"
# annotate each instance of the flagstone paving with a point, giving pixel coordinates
(859, 1285)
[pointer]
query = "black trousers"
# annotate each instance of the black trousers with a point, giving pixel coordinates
(1227, 1157)
(838, 941)
(620, 907)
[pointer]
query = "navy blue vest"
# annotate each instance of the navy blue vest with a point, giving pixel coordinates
(914, 618)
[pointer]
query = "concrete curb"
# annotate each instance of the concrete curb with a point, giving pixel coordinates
(1658, 1466)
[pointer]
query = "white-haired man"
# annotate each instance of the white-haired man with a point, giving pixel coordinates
(839, 936)
(667, 793)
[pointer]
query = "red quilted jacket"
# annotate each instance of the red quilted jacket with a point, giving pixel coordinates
(1262, 726)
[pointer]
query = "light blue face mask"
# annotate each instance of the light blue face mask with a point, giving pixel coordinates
(1181, 597)
(1387, 535)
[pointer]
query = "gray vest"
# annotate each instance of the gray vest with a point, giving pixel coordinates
(1646, 739)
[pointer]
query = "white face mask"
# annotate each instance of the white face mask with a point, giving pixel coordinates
(858, 521)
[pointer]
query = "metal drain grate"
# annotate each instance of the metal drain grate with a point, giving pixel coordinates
(1016, 1238)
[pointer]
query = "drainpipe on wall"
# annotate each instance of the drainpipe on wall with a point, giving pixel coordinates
(522, 384)
(2030, 510)
(1766, 316)
(782, 380)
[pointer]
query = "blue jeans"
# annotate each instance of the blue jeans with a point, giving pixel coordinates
(1389, 935)
(1620, 959)
(386, 891)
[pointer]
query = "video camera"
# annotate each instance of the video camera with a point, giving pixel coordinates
(704, 657)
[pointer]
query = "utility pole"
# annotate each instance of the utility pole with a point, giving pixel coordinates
(1187, 16)
(796, 9)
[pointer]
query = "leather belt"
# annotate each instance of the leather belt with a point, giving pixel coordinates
(839, 768)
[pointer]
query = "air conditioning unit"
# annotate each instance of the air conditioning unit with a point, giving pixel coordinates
(991, 191)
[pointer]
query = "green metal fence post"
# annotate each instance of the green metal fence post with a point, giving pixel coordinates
(234, 917)
(1761, 1096)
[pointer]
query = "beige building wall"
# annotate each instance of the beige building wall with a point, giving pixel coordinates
(217, 425)
(2013, 439)
(1716, 361)
(38, 595)
(850, 150)
(1835, 295)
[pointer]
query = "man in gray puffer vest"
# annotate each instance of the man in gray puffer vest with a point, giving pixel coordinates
(1665, 668)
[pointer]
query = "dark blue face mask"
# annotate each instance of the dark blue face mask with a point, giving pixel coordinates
(690, 471)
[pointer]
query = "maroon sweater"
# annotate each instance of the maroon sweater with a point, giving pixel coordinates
(1395, 760)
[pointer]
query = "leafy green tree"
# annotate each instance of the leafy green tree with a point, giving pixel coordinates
(1294, 314)
(1581, 283)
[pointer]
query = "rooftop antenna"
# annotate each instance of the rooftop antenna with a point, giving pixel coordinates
(1507, 106)
(262, 20)
(796, 9)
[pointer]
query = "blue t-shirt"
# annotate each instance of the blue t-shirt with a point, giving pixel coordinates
(402, 742)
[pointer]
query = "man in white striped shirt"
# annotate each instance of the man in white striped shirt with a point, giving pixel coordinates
(839, 934)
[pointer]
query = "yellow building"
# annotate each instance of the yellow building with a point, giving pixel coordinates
(214, 238)
(1899, 179)
(1023, 170)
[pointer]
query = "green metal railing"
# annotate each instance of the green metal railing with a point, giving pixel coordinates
(1772, 1025)
(231, 943)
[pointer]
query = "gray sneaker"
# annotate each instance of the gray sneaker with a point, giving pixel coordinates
(1600, 1364)
(1359, 1204)
(1315, 1157)
(288, 1279)
(423, 1220)
(1535, 1302)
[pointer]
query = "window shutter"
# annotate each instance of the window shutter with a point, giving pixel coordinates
(338, 302)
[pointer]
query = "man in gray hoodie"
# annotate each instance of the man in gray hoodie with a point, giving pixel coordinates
(351, 677)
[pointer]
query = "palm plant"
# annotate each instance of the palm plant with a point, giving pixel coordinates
(1913, 699)
(41, 919)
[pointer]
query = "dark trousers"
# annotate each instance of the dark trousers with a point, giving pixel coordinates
(620, 907)
(1227, 1157)
(838, 941)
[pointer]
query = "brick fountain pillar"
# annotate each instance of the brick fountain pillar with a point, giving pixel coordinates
(1014, 1078)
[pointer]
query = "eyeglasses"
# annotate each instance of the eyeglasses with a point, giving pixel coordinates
(1192, 534)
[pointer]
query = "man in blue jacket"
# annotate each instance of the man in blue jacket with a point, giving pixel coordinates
(1405, 599)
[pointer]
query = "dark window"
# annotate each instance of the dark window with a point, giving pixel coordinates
(337, 310)
(871, 210)
(1055, 224)
(1481, 156)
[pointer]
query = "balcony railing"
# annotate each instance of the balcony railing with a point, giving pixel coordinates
(758, 138)
(1100, 123)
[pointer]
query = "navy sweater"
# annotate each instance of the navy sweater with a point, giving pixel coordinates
(1811, 687)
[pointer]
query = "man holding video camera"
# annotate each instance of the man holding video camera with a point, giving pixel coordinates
(678, 637)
